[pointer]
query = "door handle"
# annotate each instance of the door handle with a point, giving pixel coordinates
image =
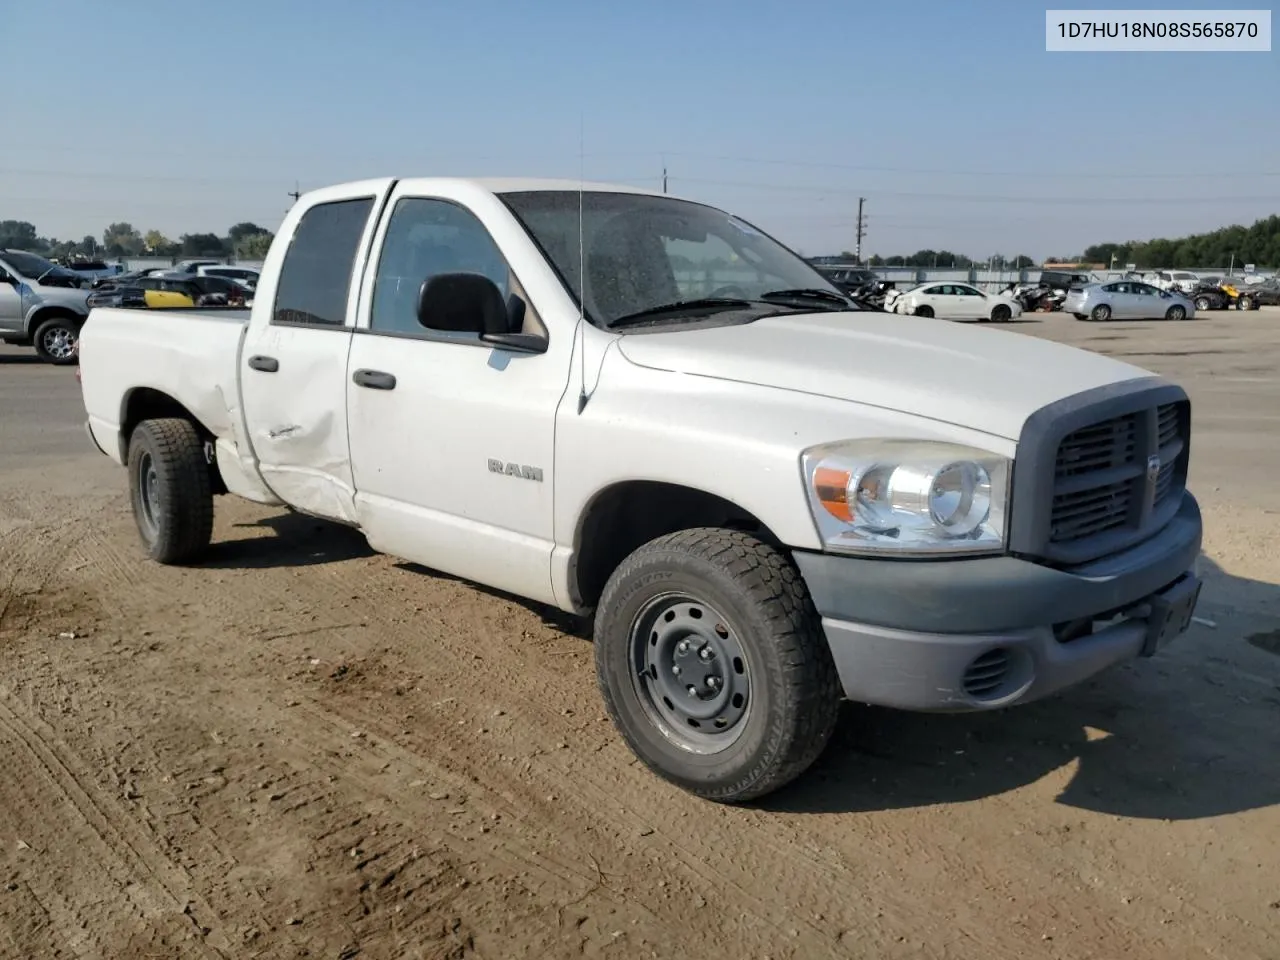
(374, 379)
(265, 364)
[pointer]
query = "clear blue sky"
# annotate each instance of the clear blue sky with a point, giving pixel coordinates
(950, 118)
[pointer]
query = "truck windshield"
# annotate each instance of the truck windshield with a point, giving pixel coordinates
(650, 255)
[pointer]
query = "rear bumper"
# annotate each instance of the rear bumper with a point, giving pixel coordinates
(968, 635)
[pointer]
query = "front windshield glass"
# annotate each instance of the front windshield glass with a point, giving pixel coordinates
(645, 252)
(31, 266)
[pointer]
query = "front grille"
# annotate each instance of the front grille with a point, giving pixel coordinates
(1107, 484)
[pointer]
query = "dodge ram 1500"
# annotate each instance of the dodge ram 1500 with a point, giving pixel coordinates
(646, 410)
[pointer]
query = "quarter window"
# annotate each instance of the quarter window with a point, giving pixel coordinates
(315, 278)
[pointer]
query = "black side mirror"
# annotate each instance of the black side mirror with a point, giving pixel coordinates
(6, 278)
(472, 303)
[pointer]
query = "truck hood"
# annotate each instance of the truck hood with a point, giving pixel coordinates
(974, 377)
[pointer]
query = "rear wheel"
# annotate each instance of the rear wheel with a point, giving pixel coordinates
(1101, 313)
(712, 663)
(1245, 303)
(923, 311)
(57, 341)
(170, 489)
(1203, 303)
(1176, 314)
(1081, 316)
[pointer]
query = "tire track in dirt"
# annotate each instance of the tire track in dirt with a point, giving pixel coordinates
(459, 692)
(159, 894)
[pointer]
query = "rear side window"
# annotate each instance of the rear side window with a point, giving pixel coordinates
(315, 277)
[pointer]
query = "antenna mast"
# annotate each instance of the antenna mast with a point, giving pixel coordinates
(857, 250)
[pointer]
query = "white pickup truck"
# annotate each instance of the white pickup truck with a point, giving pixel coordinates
(643, 408)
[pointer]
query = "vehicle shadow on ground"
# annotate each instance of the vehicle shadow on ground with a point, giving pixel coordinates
(1176, 737)
(296, 541)
(19, 358)
(551, 616)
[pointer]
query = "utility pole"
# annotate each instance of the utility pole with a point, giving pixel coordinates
(664, 179)
(857, 250)
(295, 192)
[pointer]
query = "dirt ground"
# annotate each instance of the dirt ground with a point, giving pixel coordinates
(302, 749)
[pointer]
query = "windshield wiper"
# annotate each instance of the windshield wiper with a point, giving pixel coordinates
(807, 294)
(680, 306)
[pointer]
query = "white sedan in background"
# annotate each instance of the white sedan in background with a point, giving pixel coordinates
(955, 301)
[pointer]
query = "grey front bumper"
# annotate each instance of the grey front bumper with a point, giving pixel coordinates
(958, 635)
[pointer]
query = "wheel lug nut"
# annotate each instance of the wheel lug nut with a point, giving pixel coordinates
(693, 691)
(713, 683)
(682, 646)
(676, 669)
(705, 653)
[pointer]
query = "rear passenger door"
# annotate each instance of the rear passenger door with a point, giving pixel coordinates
(293, 365)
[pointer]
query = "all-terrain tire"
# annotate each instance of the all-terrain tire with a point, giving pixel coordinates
(752, 595)
(170, 490)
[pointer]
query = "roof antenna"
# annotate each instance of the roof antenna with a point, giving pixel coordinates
(582, 271)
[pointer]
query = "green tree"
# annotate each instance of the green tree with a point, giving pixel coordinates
(255, 246)
(202, 245)
(122, 240)
(19, 235)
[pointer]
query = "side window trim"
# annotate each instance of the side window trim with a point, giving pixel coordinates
(347, 322)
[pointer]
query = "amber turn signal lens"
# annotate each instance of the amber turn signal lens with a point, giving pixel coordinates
(832, 488)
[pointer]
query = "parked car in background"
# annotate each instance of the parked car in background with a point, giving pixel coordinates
(849, 279)
(1127, 300)
(191, 266)
(954, 301)
(246, 276)
(1064, 279)
(1180, 281)
(1263, 294)
(41, 305)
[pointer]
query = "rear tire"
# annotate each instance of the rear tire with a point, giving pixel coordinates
(57, 341)
(1176, 314)
(170, 490)
(1101, 313)
(1081, 316)
(1203, 304)
(1245, 303)
(728, 616)
(923, 311)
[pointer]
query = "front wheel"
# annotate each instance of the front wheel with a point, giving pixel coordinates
(712, 664)
(170, 490)
(1001, 314)
(57, 341)
(1245, 303)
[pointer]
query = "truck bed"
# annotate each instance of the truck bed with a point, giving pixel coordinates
(188, 354)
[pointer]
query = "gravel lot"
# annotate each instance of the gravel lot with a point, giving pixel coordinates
(303, 749)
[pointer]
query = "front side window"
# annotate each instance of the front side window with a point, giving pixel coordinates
(425, 238)
(315, 278)
(643, 252)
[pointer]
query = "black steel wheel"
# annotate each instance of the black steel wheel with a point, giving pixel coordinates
(170, 489)
(713, 665)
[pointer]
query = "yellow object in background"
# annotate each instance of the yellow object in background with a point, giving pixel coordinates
(166, 298)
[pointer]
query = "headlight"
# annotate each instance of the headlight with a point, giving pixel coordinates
(907, 497)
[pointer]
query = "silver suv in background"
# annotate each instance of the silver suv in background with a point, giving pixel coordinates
(41, 305)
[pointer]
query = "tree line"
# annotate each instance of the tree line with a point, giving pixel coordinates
(245, 240)
(1258, 244)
